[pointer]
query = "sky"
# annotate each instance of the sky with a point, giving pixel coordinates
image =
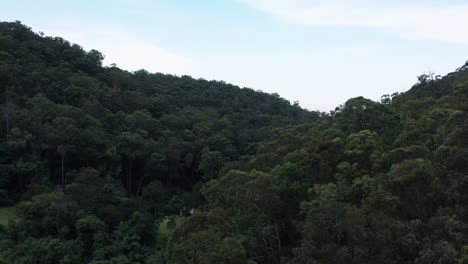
(317, 52)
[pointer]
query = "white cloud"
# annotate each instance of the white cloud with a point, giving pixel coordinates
(127, 51)
(443, 22)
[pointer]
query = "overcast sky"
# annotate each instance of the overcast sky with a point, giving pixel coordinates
(317, 52)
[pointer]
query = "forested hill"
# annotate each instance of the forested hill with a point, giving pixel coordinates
(61, 106)
(103, 166)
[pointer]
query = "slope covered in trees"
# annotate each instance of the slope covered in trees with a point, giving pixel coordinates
(106, 166)
(63, 111)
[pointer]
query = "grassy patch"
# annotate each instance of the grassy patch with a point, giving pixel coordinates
(7, 214)
(167, 225)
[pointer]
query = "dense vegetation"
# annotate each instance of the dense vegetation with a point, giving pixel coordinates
(106, 166)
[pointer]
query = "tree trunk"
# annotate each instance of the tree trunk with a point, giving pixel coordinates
(139, 184)
(130, 176)
(63, 179)
(8, 111)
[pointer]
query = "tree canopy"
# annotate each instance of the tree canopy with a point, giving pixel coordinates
(106, 166)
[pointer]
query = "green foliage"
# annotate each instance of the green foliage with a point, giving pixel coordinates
(106, 166)
(211, 163)
(204, 238)
(339, 233)
(207, 247)
(7, 214)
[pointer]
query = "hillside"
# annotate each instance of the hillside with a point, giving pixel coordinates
(106, 166)
(61, 106)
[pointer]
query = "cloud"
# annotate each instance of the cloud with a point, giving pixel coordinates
(126, 50)
(442, 22)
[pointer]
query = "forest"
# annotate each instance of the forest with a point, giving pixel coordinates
(100, 165)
